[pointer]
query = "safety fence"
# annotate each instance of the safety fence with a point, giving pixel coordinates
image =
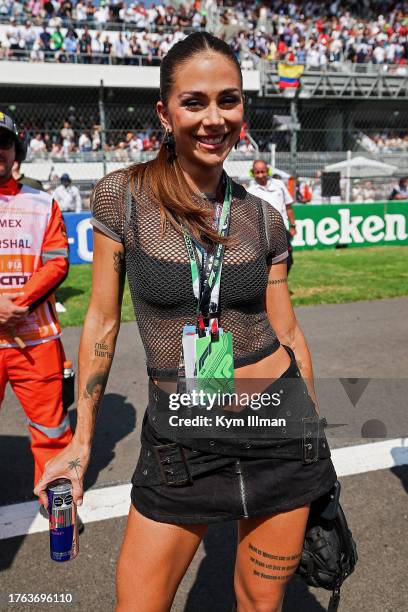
(294, 127)
(85, 169)
(131, 56)
(66, 57)
(88, 131)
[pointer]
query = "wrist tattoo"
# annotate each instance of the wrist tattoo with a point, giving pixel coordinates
(277, 281)
(118, 261)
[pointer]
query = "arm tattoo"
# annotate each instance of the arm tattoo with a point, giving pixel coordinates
(118, 261)
(119, 266)
(95, 388)
(103, 350)
(277, 281)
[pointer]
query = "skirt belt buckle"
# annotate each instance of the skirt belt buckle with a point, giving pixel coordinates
(173, 475)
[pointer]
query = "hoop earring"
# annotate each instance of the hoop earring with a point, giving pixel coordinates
(170, 145)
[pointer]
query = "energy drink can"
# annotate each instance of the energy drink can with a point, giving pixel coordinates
(62, 513)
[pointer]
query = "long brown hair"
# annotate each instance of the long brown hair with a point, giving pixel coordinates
(163, 177)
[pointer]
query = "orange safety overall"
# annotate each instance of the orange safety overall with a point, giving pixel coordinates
(33, 262)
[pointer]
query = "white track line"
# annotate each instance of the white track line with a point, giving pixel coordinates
(99, 504)
(109, 502)
(362, 458)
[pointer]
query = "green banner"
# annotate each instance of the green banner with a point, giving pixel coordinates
(325, 226)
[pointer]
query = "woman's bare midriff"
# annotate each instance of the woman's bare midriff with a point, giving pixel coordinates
(252, 378)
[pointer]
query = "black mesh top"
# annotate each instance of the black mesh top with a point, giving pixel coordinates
(159, 274)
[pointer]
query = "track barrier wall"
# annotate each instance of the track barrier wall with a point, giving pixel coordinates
(320, 226)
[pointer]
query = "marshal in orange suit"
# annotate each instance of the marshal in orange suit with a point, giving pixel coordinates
(33, 262)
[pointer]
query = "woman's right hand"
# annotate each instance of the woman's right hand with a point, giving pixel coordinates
(72, 464)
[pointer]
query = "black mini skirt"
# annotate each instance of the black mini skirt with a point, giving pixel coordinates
(203, 481)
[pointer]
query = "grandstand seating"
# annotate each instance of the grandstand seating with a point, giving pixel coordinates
(296, 31)
(47, 81)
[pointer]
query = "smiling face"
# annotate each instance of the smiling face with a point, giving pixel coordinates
(204, 111)
(260, 171)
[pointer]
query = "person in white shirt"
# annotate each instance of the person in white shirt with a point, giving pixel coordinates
(84, 142)
(97, 48)
(119, 47)
(28, 34)
(247, 63)
(101, 14)
(67, 195)
(136, 144)
(80, 12)
(379, 53)
(313, 58)
(37, 145)
(275, 192)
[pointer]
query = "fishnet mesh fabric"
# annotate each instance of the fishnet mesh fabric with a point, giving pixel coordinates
(159, 273)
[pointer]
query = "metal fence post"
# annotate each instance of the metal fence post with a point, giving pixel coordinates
(348, 175)
(102, 120)
(273, 156)
(293, 135)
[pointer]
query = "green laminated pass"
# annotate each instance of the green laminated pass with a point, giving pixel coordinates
(214, 365)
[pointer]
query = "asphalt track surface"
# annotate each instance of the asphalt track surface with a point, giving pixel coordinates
(359, 340)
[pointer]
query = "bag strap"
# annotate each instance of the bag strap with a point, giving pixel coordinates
(347, 538)
(334, 601)
(351, 556)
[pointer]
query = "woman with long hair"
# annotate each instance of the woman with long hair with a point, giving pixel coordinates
(206, 264)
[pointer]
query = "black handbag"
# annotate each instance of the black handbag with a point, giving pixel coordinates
(329, 553)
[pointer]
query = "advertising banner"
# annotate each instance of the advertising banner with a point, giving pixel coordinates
(80, 237)
(322, 226)
(326, 226)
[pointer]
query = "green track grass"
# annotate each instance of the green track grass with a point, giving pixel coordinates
(317, 277)
(349, 275)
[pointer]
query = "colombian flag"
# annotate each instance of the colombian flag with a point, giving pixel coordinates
(289, 75)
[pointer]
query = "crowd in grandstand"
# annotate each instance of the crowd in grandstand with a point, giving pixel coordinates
(300, 32)
(317, 33)
(63, 145)
(387, 142)
(136, 14)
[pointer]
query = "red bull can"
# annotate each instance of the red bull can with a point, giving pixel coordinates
(64, 544)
